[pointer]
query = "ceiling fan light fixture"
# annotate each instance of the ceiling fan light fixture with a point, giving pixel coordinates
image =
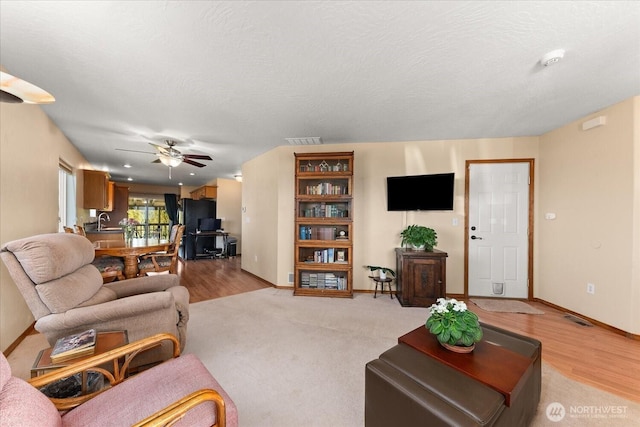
(15, 90)
(172, 162)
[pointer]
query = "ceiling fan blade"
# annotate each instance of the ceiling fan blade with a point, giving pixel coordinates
(134, 151)
(197, 156)
(161, 149)
(191, 162)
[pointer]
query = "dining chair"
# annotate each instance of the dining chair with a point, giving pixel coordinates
(110, 267)
(80, 230)
(163, 261)
(68, 230)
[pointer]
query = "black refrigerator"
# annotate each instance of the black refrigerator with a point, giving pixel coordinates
(192, 211)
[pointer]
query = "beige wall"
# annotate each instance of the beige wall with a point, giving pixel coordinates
(590, 180)
(229, 208)
(30, 149)
(261, 230)
(269, 200)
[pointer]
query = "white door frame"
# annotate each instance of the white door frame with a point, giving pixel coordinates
(531, 163)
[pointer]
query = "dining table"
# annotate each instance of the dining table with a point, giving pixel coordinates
(129, 251)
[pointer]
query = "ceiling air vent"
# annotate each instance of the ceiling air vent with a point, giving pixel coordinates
(309, 140)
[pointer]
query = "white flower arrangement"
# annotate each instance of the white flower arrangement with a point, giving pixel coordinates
(452, 323)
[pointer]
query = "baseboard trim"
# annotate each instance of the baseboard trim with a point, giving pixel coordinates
(459, 297)
(266, 282)
(30, 330)
(291, 288)
(613, 329)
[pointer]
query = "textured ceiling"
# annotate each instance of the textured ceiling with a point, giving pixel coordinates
(234, 79)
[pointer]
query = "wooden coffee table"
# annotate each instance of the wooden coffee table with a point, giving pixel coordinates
(489, 363)
(105, 341)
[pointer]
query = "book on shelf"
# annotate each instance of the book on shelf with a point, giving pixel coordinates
(72, 346)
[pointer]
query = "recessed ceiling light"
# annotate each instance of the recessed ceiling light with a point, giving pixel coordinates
(192, 173)
(127, 165)
(179, 183)
(129, 179)
(552, 57)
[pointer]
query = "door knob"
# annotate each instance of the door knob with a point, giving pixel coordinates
(474, 238)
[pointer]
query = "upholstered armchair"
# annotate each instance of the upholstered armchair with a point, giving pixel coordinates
(181, 390)
(66, 294)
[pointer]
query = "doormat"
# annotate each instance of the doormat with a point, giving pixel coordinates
(505, 306)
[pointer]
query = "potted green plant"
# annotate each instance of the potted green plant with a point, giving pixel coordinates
(419, 237)
(382, 271)
(455, 327)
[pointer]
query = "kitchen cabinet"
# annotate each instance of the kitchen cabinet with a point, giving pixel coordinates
(323, 244)
(421, 277)
(120, 206)
(205, 192)
(98, 190)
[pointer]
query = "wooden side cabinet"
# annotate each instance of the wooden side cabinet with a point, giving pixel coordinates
(421, 277)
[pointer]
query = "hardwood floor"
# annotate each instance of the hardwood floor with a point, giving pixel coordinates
(592, 355)
(215, 278)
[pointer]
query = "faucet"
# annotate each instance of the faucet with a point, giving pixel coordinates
(102, 218)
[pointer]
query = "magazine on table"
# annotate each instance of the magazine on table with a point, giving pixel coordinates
(74, 345)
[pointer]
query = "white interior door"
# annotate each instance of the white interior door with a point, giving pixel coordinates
(498, 229)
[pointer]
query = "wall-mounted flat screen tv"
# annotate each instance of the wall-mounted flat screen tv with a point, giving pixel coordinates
(420, 192)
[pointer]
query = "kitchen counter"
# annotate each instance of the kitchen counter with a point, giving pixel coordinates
(107, 233)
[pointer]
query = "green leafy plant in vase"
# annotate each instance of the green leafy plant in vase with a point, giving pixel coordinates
(419, 237)
(382, 271)
(455, 327)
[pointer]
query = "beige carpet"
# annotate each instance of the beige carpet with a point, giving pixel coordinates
(505, 306)
(299, 361)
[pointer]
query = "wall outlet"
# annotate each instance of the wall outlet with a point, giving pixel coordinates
(591, 288)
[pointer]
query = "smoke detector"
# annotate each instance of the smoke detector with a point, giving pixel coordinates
(552, 57)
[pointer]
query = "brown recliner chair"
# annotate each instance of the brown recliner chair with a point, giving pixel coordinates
(66, 294)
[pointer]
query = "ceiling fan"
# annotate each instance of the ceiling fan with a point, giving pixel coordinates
(170, 156)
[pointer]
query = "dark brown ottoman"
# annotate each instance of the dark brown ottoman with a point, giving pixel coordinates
(408, 388)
